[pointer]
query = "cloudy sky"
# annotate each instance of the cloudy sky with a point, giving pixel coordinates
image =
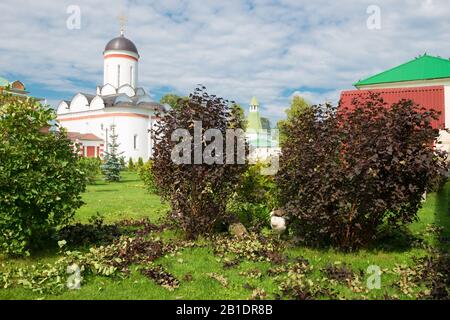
(236, 48)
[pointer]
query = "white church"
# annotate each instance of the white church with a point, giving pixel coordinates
(119, 101)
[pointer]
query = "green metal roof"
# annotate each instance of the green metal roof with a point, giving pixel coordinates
(254, 102)
(3, 82)
(254, 121)
(422, 68)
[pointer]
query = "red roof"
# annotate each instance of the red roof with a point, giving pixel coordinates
(83, 136)
(432, 97)
(89, 136)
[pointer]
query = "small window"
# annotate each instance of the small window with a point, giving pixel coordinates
(118, 76)
(135, 142)
(131, 75)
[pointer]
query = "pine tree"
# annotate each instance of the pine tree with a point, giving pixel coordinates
(122, 162)
(130, 164)
(140, 163)
(112, 166)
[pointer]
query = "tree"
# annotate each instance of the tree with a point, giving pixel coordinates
(173, 100)
(298, 106)
(239, 115)
(112, 165)
(140, 163)
(91, 167)
(148, 177)
(41, 180)
(130, 164)
(344, 173)
(198, 191)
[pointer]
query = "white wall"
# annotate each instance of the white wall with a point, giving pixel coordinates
(444, 137)
(126, 128)
(447, 106)
(408, 84)
(128, 69)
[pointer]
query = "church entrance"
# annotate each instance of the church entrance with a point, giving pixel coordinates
(90, 152)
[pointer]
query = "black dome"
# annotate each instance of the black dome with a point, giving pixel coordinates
(121, 43)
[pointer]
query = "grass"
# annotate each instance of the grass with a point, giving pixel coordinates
(116, 201)
(128, 199)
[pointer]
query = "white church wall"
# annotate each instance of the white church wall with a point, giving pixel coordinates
(120, 68)
(129, 130)
(130, 122)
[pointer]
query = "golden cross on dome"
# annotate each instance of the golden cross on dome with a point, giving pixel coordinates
(122, 21)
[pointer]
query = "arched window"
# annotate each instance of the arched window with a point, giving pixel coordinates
(131, 75)
(135, 137)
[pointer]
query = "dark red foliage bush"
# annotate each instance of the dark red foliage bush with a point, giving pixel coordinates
(197, 192)
(345, 172)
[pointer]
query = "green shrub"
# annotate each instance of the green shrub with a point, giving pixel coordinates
(146, 174)
(438, 182)
(40, 175)
(91, 167)
(344, 173)
(140, 163)
(254, 198)
(251, 215)
(131, 164)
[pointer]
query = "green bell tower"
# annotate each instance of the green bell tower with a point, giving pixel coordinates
(254, 120)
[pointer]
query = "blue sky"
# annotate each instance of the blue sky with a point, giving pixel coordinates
(237, 49)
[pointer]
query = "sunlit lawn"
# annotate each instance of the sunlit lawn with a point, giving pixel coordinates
(128, 199)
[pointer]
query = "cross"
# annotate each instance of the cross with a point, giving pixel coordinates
(122, 21)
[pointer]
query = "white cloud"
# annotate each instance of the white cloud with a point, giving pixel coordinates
(236, 48)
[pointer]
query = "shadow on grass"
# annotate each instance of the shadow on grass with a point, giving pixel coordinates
(396, 240)
(440, 284)
(104, 190)
(403, 239)
(442, 219)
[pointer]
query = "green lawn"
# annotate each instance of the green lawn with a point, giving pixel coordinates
(128, 199)
(124, 199)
